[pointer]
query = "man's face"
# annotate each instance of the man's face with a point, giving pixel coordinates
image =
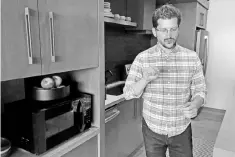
(167, 32)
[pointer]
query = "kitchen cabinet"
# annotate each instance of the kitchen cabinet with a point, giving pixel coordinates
(69, 34)
(118, 7)
(129, 128)
(201, 16)
(20, 53)
(42, 37)
(194, 15)
(111, 132)
(195, 9)
(74, 27)
(87, 149)
(141, 12)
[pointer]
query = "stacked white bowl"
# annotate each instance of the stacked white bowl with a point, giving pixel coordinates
(107, 10)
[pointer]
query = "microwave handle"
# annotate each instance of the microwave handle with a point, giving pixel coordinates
(82, 111)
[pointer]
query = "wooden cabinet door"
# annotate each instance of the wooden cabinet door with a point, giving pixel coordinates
(111, 132)
(141, 12)
(118, 7)
(87, 149)
(139, 103)
(69, 34)
(201, 16)
(129, 136)
(20, 39)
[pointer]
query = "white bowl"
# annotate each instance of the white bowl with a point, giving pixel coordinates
(41, 94)
(7, 146)
(122, 18)
(128, 18)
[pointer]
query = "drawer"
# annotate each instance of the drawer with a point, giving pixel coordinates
(201, 16)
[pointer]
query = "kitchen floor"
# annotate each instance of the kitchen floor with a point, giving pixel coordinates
(205, 130)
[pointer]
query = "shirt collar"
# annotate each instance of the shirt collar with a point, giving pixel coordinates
(160, 49)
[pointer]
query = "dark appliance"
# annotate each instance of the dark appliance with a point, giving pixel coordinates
(38, 126)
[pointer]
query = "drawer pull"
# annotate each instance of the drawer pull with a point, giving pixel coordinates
(52, 38)
(112, 116)
(201, 19)
(28, 36)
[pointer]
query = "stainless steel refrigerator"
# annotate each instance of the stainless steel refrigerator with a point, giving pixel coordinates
(201, 47)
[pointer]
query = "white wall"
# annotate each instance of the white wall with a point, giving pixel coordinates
(221, 56)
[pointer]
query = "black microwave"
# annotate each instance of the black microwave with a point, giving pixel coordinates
(39, 126)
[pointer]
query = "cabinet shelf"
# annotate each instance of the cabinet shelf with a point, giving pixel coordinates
(72, 143)
(145, 32)
(120, 22)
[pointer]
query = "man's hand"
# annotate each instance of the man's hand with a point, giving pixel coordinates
(189, 109)
(150, 73)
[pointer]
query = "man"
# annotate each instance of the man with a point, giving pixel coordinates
(170, 80)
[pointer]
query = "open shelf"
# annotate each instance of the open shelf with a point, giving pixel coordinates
(72, 143)
(120, 22)
(146, 32)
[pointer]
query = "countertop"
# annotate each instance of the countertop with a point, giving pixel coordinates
(112, 100)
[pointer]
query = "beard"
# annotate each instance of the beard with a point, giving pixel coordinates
(169, 43)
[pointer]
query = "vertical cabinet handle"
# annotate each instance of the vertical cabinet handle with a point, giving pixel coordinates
(205, 54)
(115, 114)
(52, 39)
(140, 106)
(135, 109)
(28, 36)
(201, 19)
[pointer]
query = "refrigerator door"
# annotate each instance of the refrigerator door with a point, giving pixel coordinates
(202, 47)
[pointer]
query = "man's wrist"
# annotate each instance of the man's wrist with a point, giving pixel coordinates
(145, 81)
(198, 101)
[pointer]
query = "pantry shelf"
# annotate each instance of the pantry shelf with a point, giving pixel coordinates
(120, 22)
(72, 143)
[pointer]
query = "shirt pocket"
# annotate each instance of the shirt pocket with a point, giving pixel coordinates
(184, 75)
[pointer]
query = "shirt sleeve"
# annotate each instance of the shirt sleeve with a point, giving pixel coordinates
(198, 86)
(135, 74)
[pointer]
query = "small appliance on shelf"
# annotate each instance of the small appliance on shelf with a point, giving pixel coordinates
(43, 125)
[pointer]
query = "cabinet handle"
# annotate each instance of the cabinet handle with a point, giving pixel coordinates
(52, 39)
(140, 106)
(135, 110)
(28, 36)
(205, 54)
(201, 19)
(115, 114)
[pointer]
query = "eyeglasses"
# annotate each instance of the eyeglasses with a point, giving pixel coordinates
(165, 30)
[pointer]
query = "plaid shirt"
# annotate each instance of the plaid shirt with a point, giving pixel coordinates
(180, 80)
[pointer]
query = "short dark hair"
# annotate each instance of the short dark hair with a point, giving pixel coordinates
(166, 11)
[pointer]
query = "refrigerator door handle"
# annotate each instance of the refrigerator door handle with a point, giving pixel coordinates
(198, 41)
(205, 54)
